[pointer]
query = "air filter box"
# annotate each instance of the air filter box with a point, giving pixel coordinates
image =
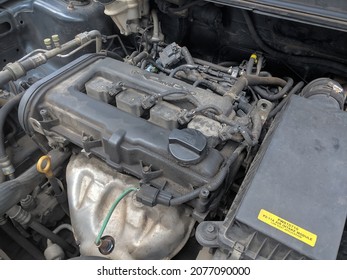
(293, 201)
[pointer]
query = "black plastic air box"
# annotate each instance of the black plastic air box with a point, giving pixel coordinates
(293, 201)
(297, 191)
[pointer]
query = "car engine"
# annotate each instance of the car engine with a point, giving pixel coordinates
(173, 129)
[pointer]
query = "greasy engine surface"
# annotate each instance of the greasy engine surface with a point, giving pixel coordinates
(171, 129)
(125, 141)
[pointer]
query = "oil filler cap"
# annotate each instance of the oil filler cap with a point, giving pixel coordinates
(187, 145)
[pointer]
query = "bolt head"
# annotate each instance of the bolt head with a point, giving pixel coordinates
(210, 228)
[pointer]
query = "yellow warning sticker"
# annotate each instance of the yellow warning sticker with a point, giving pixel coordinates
(287, 227)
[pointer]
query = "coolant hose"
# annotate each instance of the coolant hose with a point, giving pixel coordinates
(187, 56)
(253, 80)
(114, 55)
(155, 37)
(190, 60)
(138, 58)
(58, 229)
(11, 192)
(278, 95)
(259, 64)
(295, 90)
(250, 65)
(51, 236)
(183, 67)
(5, 77)
(4, 111)
(211, 85)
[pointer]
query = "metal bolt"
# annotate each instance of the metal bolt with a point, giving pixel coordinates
(204, 193)
(210, 228)
(44, 114)
(27, 199)
(146, 169)
(107, 245)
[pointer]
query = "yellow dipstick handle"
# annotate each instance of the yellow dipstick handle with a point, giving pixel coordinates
(255, 57)
(44, 166)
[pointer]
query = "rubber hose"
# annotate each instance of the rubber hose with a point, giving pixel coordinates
(245, 107)
(5, 77)
(256, 129)
(2, 177)
(155, 19)
(114, 55)
(183, 67)
(173, 91)
(250, 64)
(161, 68)
(294, 90)
(187, 56)
(278, 95)
(61, 227)
(212, 65)
(212, 86)
(253, 80)
(190, 98)
(259, 64)
(327, 87)
(2, 102)
(140, 57)
(143, 64)
(264, 74)
(185, 198)
(51, 236)
(189, 59)
(10, 136)
(11, 192)
(4, 111)
(135, 53)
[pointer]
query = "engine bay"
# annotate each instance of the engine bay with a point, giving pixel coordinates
(171, 129)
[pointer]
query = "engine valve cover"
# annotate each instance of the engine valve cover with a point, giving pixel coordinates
(64, 108)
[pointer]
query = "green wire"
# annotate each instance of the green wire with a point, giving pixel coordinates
(109, 214)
